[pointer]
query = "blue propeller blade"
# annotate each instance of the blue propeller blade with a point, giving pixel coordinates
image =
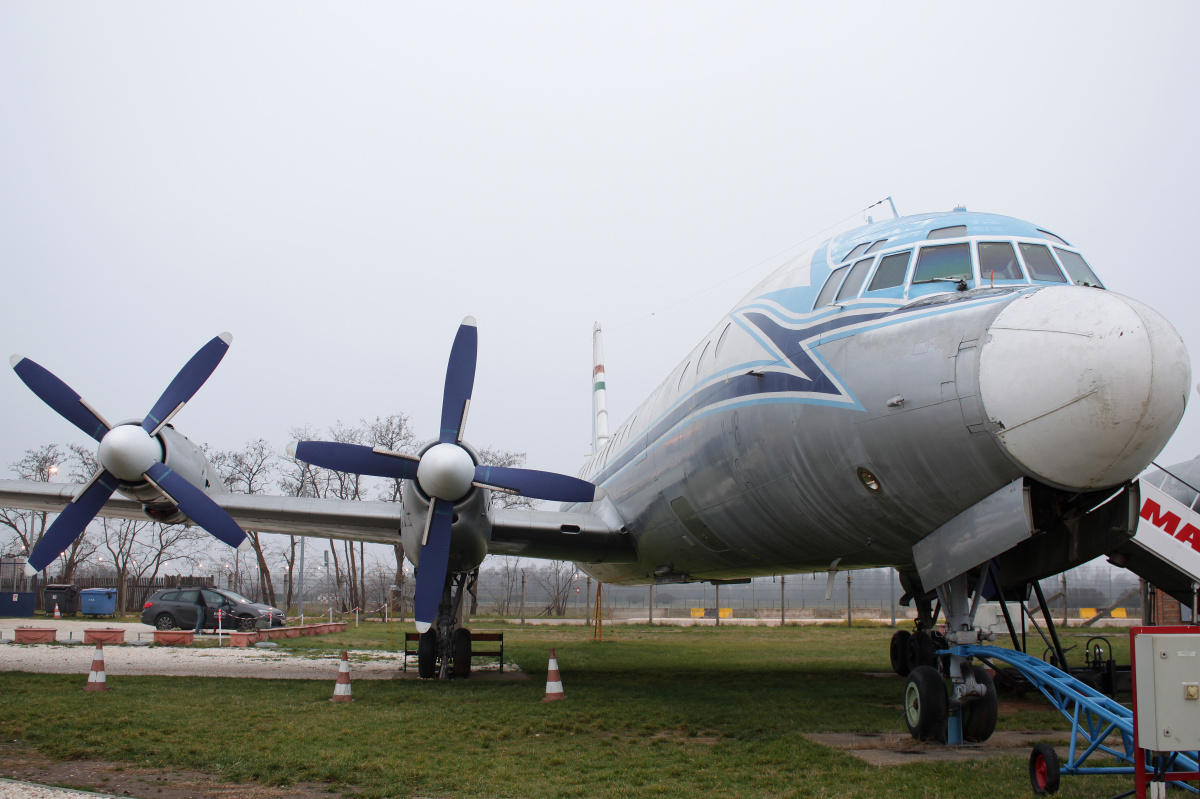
(431, 570)
(188, 381)
(355, 459)
(539, 485)
(197, 505)
(59, 396)
(71, 522)
(460, 380)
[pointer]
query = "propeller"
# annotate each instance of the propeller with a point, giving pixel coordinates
(128, 453)
(445, 472)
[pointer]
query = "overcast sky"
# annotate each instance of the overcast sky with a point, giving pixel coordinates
(338, 185)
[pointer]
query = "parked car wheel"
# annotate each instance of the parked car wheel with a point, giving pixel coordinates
(165, 621)
(245, 624)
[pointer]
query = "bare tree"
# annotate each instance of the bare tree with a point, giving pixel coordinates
(250, 471)
(28, 527)
(137, 550)
(506, 575)
(556, 578)
(395, 434)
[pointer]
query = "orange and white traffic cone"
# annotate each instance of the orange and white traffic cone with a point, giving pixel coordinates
(57, 615)
(96, 680)
(341, 691)
(553, 681)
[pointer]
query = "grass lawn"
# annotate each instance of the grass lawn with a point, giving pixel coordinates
(659, 711)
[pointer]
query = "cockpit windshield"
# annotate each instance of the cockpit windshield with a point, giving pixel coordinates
(946, 262)
(1077, 268)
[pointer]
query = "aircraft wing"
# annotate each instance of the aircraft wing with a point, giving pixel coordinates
(557, 535)
(377, 522)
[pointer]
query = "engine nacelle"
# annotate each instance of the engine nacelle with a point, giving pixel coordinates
(186, 459)
(470, 532)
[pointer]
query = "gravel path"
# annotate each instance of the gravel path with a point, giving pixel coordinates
(12, 789)
(272, 664)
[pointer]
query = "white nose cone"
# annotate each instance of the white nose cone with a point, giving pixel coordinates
(446, 472)
(127, 451)
(1083, 387)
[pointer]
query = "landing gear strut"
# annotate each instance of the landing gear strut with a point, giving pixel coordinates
(444, 650)
(967, 713)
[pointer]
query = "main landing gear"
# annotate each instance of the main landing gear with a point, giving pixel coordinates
(444, 650)
(966, 711)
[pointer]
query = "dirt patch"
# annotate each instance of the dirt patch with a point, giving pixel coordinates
(25, 763)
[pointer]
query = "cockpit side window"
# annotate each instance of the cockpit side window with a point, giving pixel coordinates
(875, 246)
(998, 261)
(944, 263)
(1040, 263)
(857, 251)
(952, 232)
(1077, 268)
(831, 285)
(854, 280)
(891, 271)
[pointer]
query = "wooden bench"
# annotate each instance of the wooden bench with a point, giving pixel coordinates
(415, 638)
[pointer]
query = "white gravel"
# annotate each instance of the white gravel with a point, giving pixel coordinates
(171, 661)
(12, 789)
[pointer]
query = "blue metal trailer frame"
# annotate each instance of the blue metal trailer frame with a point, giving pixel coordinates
(1094, 717)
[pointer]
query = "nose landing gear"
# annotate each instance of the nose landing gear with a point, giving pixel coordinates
(444, 651)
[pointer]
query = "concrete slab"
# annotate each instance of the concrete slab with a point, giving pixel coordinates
(897, 749)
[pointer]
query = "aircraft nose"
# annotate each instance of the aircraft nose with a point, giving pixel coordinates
(1083, 387)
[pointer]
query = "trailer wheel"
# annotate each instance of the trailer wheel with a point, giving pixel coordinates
(899, 652)
(1043, 769)
(926, 704)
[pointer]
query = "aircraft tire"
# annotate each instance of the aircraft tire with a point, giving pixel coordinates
(980, 716)
(899, 652)
(427, 655)
(1044, 773)
(462, 653)
(926, 705)
(920, 650)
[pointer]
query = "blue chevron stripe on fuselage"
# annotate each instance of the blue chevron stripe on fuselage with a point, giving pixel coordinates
(799, 377)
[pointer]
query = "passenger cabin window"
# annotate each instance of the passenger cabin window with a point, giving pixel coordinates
(998, 261)
(1040, 263)
(953, 232)
(944, 263)
(875, 246)
(891, 271)
(857, 251)
(831, 285)
(854, 280)
(721, 340)
(1077, 268)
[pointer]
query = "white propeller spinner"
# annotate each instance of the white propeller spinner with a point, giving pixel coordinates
(446, 472)
(128, 451)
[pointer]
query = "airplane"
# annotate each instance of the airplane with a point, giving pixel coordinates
(954, 395)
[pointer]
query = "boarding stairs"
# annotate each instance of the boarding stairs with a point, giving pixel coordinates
(1165, 551)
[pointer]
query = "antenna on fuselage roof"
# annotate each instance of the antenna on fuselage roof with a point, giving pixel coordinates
(599, 393)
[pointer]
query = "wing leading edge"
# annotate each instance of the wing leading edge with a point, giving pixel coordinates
(556, 535)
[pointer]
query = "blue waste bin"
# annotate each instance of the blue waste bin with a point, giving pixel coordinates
(98, 601)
